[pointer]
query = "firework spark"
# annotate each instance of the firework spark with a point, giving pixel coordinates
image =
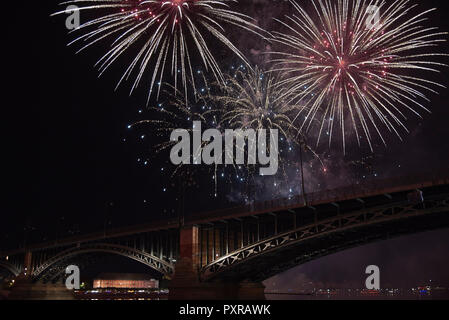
(247, 101)
(159, 33)
(252, 99)
(183, 113)
(343, 68)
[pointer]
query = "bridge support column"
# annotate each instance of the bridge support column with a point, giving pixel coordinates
(186, 268)
(186, 284)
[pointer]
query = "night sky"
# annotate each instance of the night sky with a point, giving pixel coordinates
(91, 166)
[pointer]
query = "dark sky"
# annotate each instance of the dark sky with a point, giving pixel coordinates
(86, 158)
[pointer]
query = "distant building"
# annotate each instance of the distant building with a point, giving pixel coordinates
(125, 280)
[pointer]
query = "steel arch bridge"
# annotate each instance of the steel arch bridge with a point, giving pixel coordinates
(155, 247)
(257, 241)
(263, 259)
(157, 264)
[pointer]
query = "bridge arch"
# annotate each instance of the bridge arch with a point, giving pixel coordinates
(264, 259)
(147, 259)
(9, 267)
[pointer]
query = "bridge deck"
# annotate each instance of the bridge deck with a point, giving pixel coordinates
(360, 191)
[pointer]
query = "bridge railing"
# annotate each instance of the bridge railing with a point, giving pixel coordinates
(364, 189)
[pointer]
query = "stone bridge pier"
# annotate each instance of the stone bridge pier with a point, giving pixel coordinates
(26, 289)
(187, 284)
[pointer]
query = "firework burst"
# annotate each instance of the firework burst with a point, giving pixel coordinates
(162, 35)
(253, 99)
(351, 72)
(181, 113)
(247, 101)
